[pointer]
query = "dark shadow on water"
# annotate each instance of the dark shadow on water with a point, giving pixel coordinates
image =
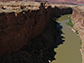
(59, 37)
(41, 48)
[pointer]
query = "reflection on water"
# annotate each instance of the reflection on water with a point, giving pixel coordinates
(69, 51)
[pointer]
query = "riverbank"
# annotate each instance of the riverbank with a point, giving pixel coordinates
(70, 25)
(69, 51)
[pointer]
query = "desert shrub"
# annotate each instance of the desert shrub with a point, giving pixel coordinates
(70, 22)
(55, 18)
(77, 32)
(80, 42)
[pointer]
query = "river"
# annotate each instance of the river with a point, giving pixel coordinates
(69, 51)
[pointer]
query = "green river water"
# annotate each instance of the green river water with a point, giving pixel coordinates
(69, 51)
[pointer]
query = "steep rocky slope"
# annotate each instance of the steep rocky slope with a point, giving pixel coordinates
(17, 28)
(37, 50)
(78, 20)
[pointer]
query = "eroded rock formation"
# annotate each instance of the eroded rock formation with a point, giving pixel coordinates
(78, 20)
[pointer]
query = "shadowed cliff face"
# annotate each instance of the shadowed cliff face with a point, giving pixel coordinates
(38, 50)
(18, 29)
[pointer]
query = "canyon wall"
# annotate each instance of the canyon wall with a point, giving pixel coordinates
(17, 29)
(38, 49)
(30, 36)
(78, 20)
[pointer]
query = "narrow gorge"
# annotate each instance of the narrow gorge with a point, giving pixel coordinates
(28, 35)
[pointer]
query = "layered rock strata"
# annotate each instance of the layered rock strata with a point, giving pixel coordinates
(78, 20)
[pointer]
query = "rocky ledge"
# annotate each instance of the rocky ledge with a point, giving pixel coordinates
(19, 6)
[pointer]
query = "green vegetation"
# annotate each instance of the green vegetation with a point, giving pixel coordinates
(70, 22)
(55, 19)
(77, 32)
(80, 42)
(61, 15)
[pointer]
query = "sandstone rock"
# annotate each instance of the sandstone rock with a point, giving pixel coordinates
(77, 17)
